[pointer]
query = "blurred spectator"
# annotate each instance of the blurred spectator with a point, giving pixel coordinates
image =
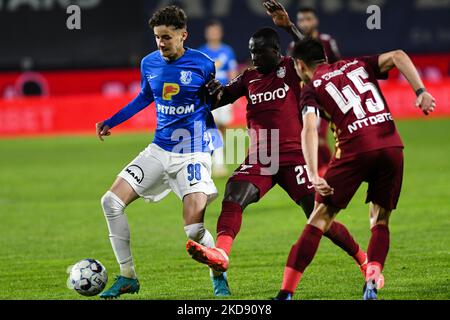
(226, 69)
(308, 22)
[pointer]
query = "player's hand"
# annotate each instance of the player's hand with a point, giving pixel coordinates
(322, 187)
(426, 102)
(278, 13)
(102, 130)
(214, 87)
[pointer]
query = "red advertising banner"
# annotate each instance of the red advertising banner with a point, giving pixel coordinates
(79, 113)
(59, 83)
(116, 82)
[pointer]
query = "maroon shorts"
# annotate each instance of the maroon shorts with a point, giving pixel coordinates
(292, 178)
(323, 158)
(382, 169)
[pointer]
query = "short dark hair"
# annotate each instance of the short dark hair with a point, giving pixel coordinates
(213, 22)
(270, 36)
(169, 16)
(309, 51)
(307, 9)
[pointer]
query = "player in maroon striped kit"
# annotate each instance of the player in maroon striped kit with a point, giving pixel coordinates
(369, 149)
(272, 90)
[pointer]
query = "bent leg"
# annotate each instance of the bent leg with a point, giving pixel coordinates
(113, 203)
(339, 235)
(295, 181)
(238, 195)
(194, 206)
(304, 250)
(337, 232)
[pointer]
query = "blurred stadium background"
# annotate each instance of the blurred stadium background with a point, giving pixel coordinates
(58, 83)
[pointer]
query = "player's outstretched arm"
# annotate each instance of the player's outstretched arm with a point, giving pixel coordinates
(140, 102)
(310, 145)
(281, 19)
(403, 63)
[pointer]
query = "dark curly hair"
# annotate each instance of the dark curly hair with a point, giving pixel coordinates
(169, 16)
(310, 51)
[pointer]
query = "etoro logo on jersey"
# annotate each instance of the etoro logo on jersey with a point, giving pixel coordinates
(170, 90)
(267, 96)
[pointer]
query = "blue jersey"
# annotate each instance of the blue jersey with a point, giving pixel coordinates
(224, 60)
(183, 107)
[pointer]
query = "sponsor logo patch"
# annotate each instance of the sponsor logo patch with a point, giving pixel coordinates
(281, 72)
(136, 172)
(186, 77)
(170, 90)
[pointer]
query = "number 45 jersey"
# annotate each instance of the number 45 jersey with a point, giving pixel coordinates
(349, 93)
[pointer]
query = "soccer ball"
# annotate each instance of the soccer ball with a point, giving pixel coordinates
(88, 277)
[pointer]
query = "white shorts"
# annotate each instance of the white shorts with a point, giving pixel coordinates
(155, 172)
(223, 115)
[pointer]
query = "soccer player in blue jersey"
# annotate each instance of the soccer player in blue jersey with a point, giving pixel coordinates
(226, 70)
(179, 158)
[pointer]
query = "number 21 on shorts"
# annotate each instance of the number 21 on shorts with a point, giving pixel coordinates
(194, 171)
(301, 170)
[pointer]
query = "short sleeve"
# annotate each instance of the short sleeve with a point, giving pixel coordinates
(371, 62)
(308, 100)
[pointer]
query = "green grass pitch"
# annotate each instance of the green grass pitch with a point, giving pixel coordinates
(50, 217)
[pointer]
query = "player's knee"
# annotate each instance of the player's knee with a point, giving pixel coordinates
(379, 215)
(380, 218)
(195, 231)
(323, 216)
(242, 193)
(111, 204)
